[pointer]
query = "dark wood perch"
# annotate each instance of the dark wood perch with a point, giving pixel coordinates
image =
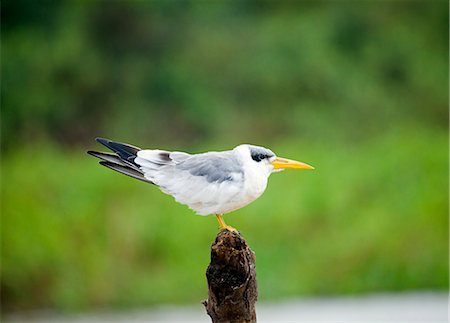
(231, 277)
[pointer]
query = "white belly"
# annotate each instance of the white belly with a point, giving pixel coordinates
(207, 198)
(253, 187)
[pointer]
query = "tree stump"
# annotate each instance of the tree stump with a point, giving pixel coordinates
(231, 277)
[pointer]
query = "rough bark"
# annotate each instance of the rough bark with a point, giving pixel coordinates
(231, 277)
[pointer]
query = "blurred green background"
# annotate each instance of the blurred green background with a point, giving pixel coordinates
(358, 89)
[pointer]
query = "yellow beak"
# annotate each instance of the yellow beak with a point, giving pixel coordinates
(282, 163)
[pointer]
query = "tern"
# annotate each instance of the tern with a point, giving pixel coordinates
(208, 183)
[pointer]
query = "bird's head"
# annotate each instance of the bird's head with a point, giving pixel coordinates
(265, 160)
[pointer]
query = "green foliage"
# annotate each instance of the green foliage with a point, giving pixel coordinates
(370, 218)
(183, 74)
(358, 90)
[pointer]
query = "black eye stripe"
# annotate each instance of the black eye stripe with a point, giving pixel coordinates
(258, 157)
(260, 153)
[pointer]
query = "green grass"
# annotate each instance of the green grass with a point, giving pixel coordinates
(371, 217)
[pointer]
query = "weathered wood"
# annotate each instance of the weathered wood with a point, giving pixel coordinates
(231, 277)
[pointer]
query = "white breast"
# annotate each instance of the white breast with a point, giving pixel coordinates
(255, 183)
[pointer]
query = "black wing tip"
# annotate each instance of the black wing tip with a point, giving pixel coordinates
(110, 143)
(109, 165)
(106, 163)
(125, 170)
(103, 141)
(99, 154)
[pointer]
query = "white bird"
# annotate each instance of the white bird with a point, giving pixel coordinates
(208, 183)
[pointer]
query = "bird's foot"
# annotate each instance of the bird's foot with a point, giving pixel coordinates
(229, 228)
(223, 225)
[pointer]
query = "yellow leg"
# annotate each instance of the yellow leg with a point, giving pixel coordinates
(223, 225)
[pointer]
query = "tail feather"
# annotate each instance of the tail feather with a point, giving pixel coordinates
(126, 171)
(112, 158)
(122, 160)
(125, 151)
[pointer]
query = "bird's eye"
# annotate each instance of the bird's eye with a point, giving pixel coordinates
(258, 157)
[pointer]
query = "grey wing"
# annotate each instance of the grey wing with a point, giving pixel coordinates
(201, 181)
(213, 167)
